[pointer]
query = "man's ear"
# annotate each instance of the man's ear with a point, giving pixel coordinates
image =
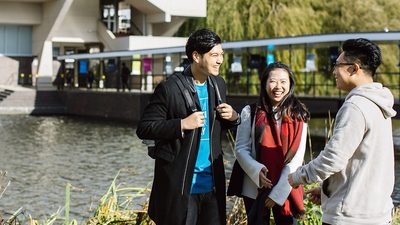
(354, 68)
(351, 69)
(196, 56)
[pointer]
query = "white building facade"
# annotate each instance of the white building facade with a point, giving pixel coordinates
(34, 32)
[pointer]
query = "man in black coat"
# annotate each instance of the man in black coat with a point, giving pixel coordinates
(189, 177)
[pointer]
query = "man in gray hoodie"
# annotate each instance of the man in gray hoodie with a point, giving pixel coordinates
(357, 164)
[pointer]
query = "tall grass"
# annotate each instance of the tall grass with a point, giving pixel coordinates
(237, 214)
(116, 207)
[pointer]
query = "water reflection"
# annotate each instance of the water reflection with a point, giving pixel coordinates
(43, 154)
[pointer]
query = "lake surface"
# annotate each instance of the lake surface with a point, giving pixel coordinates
(43, 154)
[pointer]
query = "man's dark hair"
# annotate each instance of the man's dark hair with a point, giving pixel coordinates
(364, 52)
(201, 41)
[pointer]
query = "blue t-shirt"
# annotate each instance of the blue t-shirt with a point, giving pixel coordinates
(202, 178)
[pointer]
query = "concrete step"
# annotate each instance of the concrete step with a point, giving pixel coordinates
(4, 93)
(30, 101)
(8, 91)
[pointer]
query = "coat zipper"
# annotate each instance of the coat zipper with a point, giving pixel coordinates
(187, 161)
(211, 148)
(190, 147)
(190, 150)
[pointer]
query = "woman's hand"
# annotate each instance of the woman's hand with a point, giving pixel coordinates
(264, 181)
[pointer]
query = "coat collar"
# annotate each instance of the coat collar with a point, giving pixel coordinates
(188, 75)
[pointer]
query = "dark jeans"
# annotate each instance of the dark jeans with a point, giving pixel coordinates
(276, 211)
(203, 210)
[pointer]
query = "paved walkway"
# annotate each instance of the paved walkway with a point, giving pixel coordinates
(26, 100)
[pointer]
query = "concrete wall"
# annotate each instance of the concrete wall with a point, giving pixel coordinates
(80, 23)
(8, 71)
(111, 43)
(136, 42)
(145, 42)
(193, 8)
(20, 13)
(42, 32)
(107, 105)
(123, 106)
(128, 107)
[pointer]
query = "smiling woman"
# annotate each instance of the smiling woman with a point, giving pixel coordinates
(271, 142)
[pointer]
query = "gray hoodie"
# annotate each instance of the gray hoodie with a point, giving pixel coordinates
(357, 164)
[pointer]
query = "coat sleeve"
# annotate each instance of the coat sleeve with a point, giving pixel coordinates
(347, 136)
(154, 123)
(282, 189)
(243, 148)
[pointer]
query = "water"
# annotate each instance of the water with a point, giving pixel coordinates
(43, 154)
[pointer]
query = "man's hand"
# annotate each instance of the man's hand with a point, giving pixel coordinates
(269, 203)
(264, 181)
(314, 195)
(226, 112)
(195, 120)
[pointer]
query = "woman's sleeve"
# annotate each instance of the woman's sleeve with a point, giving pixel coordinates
(243, 147)
(282, 189)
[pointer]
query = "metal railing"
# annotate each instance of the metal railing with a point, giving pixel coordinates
(312, 84)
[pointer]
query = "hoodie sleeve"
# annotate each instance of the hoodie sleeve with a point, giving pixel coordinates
(347, 135)
(282, 189)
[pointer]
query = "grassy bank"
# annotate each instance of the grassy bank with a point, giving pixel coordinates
(116, 207)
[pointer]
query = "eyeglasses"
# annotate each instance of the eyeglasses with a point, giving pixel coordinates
(337, 64)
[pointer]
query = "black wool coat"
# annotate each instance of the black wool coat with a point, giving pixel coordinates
(175, 154)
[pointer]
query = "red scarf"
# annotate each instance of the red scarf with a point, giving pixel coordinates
(275, 151)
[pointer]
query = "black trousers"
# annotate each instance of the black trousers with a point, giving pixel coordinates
(276, 211)
(203, 210)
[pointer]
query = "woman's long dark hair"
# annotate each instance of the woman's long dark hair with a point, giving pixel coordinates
(290, 107)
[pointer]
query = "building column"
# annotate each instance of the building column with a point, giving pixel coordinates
(44, 80)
